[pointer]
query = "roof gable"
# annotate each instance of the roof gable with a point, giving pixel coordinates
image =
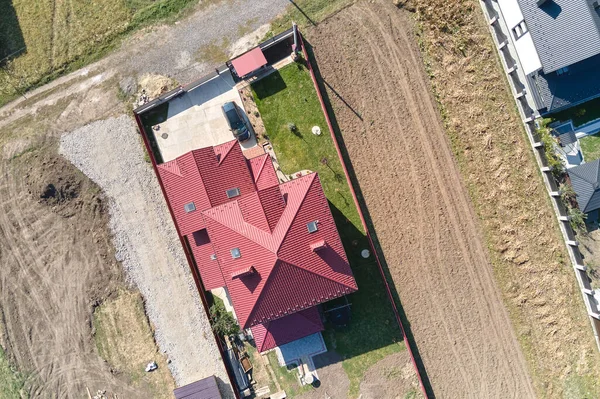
(263, 172)
(287, 329)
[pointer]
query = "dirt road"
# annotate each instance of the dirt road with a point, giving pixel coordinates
(419, 206)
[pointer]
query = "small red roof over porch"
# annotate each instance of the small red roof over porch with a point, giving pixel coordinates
(249, 62)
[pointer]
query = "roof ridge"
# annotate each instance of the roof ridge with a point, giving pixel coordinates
(313, 176)
(262, 167)
(194, 152)
(259, 294)
(231, 145)
(240, 231)
(257, 193)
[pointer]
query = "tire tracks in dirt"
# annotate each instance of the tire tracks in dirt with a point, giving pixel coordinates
(427, 227)
(54, 265)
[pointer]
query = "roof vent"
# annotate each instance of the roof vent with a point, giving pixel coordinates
(596, 5)
(233, 192)
(189, 207)
(213, 257)
(312, 226)
(235, 253)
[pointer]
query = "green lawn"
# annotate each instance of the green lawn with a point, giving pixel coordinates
(288, 96)
(581, 114)
(49, 38)
(590, 146)
(11, 381)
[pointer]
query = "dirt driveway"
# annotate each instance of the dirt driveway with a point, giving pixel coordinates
(419, 206)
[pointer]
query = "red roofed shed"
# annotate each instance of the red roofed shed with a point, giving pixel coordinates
(249, 62)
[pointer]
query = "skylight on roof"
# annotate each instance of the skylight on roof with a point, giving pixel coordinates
(233, 192)
(189, 207)
(235, 253)
(312, 226)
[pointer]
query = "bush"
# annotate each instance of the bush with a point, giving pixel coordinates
(223, 322)
(554, 162)
(577, 219)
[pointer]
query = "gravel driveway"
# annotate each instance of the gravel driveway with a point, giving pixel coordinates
(111, 154)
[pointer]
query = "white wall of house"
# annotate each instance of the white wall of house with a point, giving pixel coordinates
(528, 56)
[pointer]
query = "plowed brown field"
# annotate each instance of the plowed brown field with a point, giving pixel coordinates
(418, 203)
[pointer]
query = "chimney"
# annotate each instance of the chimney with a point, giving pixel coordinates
(316, 246)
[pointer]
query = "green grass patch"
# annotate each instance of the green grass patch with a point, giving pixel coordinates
(124, 339)
(288, 96)
(11, 381)
(581, 114)
(59, 37)
(306, 13)
(590, 146)
(287, 379)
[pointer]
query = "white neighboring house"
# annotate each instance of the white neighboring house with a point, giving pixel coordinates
(558, 46)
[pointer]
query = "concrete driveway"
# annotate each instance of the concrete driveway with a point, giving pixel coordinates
(195, 119)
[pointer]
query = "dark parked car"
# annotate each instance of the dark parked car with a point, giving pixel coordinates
(235, 121)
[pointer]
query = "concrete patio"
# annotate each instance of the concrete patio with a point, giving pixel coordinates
(195, 119)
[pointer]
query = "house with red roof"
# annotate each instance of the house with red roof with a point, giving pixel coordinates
(272, 246)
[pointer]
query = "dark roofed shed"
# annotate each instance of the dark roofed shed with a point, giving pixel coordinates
(203, 389)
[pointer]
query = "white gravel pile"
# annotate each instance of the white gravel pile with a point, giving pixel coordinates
(111, 153)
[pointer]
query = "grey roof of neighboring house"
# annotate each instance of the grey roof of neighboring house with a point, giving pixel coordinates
(203, 389)
(585, 180)
(556, 92)
(566, 135)
(564, 31)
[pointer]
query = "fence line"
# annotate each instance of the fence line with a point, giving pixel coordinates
(518, 84)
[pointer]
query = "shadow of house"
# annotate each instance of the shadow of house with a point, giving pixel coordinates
(12, 42)
(344, 230)
(274, 84)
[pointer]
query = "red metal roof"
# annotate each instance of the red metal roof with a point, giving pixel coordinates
(198, 177)
(290, 276)
(202, 251)
(249, 62)
(264, 177)
(267, 223)
(287, 329)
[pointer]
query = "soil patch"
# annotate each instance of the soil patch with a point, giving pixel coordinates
(392, 377)
(56, 265)
(425, 223)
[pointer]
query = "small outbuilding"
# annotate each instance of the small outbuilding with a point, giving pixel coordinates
(585, 180)
(203, 389)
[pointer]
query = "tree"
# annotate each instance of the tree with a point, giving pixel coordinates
(223, 323)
